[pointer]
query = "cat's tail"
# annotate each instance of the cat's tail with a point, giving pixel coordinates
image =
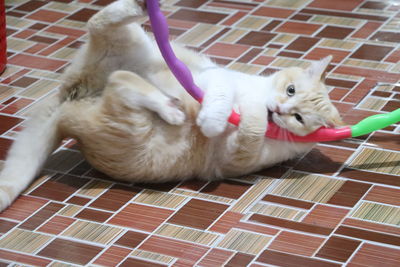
(29, 151)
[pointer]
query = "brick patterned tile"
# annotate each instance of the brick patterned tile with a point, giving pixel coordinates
(41, 216)
(23, 258)
(216, 257)
(338, 248)
(131, 239)
(298, 28)
(146, 218)
(325, 216)
(23, 207)
(112, 256)
(74, 252)
(56, 225)
(198, 214)
(273, 12)
(339, 5)
(47, 15)
(294, 243)
(374, 255)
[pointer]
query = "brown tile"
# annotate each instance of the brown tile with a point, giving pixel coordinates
(325, 216)
(35, 62)
(6, 226)
(227, 50)
(112, 256)
(370, 177)
(226, 222)
(41, 216)
(273, 12)
(81, 201)
(102, 2)
(146, 218)
(56, 225)
(394, 57)
(290, 54)
(377, 227)
(263, 60)
(338, 248)
(343, 14)
(198, 16)
(131, 239)
(272, 25)
(288, 201)
(24, 81)
(391, 106)
(29, 260)
(42, 39)
(368, 235)
(164, 187)
(226, 188)
(367, 29)
(299, 226)
(374, 5)
(198, 214)
(38, 26)
(295, 243)
(255, 38)
(240, 259)
(8, 122)
(319, 53)
(384, 195)
(334, 32)
(385, 140)
(191, 3)
(302, 43)
(373, 255)
(372, 52)
(329, 160)
(337, 94)
(31, 5)
(4, 146)
(129, 262)
(72, 251)
(60, 187)
(359, 92)
(301, 17)
(249, 56)
(382, 94)
(338, 4)
(298, 28)
(287, 260)
(94, 215)
(386, 37)
(215, 257)
(115, 197)
(370, 74)
(189, 253)
(82, 15)
(46, 15)
(23, 207)
(232, 5)
(193, 185)
(234, 18)
(349, 194)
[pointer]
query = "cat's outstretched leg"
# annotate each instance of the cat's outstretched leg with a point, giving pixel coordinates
(132, 91)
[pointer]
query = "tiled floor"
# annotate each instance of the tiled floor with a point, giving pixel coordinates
(337, 205)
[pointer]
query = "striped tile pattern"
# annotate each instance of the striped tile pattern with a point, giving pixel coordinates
(338, 205)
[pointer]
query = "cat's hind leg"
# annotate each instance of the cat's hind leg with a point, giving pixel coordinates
(128, 89)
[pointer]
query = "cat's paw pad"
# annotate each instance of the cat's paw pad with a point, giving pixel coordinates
(210, 125)
(172, 114)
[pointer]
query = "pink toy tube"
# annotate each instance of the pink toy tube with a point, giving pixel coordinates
(184, 76)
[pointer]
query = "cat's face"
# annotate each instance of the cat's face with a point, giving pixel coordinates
(301, 103)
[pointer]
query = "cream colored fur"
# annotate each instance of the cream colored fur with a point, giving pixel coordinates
(134, 122)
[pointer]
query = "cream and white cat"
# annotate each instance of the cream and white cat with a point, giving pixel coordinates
(134, 122)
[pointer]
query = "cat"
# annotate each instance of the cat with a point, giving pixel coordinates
(134, 122)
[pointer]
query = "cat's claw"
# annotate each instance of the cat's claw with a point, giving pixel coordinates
(210, 125)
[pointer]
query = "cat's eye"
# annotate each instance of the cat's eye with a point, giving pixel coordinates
(290, 90)
(299, 118)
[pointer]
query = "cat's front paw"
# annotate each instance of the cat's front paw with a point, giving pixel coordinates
(210, 124)
(172, 114)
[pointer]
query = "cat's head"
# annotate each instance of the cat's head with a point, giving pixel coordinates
(301, 103)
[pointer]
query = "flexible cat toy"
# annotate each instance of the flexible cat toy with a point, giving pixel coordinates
(184, 76)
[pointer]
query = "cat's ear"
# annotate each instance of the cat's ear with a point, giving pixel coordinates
(317, 68)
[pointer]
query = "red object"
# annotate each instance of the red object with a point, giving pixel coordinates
(3, 37)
